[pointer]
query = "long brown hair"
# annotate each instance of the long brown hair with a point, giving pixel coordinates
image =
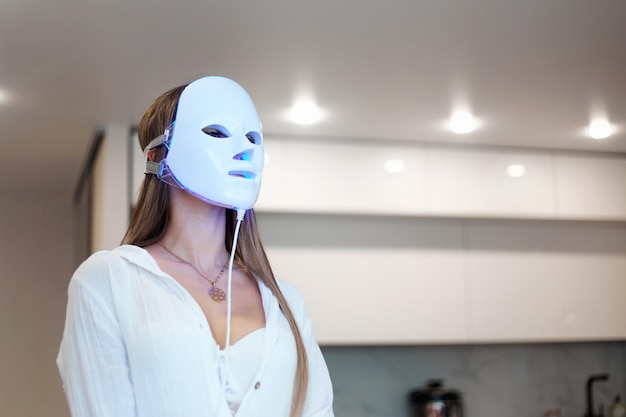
(151, 216)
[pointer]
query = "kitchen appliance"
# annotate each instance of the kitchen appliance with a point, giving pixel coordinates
(590, 383)
(434, 400)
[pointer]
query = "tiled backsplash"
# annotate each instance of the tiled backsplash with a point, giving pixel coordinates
(521, 380)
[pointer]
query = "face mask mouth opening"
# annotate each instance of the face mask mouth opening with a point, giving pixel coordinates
(242, 174)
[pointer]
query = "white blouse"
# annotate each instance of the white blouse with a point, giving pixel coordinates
(136, 344)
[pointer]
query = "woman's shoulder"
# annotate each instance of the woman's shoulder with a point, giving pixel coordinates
(293, 296)
(288, 289)
(104, 264)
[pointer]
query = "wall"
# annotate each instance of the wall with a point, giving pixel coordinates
(110, 183)
(37, 257)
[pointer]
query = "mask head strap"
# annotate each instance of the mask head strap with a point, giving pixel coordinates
(160, 169)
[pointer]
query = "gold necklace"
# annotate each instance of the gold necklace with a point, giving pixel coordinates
(214, 292)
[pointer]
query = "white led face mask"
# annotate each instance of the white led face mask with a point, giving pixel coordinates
(215, 146)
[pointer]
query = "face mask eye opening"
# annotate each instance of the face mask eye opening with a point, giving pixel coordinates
(254, 138)
(216, 131)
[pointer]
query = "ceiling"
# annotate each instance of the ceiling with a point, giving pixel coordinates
(533, 71)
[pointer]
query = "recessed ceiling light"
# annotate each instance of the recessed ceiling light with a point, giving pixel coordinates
(305, 113)
(394, 166)
(600, 129)
(516, 170)
(3, 96)
(463, 122)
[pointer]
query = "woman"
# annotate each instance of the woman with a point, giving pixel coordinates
(156, 327)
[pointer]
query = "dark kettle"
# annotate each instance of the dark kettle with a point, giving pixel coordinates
(435, 401)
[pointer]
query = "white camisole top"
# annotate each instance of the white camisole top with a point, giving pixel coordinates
(243, 365)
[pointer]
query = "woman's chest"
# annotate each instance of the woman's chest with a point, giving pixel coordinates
(172, 351)
(246, 304)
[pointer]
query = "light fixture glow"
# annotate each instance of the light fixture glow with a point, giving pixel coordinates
(516, 170)
(394, 166)
(600, 129)
(305, 113)
(463, 122)
(3, 96)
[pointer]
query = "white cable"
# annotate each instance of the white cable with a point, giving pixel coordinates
(240, 215)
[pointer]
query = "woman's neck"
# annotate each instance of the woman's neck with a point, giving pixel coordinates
(196, 231)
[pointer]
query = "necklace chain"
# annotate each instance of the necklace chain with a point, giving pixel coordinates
(214, 292)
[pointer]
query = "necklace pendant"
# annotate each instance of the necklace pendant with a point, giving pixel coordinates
(217, 294)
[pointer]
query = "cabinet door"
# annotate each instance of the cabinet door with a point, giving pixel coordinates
(475, 183)
(350, 177)
(591, 187)
(547, 281)
(274, 195)
(370, 280)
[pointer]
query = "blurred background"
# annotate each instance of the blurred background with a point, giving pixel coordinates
(444, 182)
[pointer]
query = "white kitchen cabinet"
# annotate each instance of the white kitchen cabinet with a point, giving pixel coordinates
(378, 297)
(349, 177)
(474, 183)
(325, 176)
(591, 187)
(373, 280)
(546, 281)
(402, 280)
